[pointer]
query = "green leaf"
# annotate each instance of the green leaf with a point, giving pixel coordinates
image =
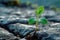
(40, 10)
(44, 21)
(31, 21)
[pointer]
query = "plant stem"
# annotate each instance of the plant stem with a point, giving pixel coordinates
(37, 17)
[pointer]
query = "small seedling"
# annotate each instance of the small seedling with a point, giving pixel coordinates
(38, 12)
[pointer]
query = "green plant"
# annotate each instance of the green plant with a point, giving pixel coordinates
(38, 11)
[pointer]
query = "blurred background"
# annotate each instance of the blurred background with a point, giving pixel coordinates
(14, 16)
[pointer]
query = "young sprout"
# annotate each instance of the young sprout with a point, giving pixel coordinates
(38, 12)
